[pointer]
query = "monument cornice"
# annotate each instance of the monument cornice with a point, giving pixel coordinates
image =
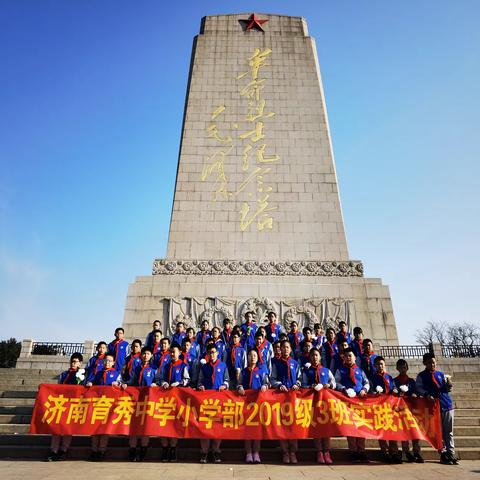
(310, 268)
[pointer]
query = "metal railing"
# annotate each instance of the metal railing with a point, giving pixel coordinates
(405, 351)
(50, 348)
(461, 351)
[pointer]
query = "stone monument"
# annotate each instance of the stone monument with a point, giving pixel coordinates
(256, 221)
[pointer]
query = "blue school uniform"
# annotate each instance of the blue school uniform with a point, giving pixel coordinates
(385, 381)
(336, 363)
(295, 338)
(226, 334)
(201, 339)
(235, 359)
(357, 347)
(345, 381)
(150, 340)
(303, 359)
(94, 365)
(265, 353)
(119, 350)
(221, 347)
(143, 376)
(435, 385)
(409, 382)
(107, 377)
(314, 375)
(68, 377)
(175, 372)
(131, 362)
(254, 378)
(213, 375)
(273, 332)
(343, 337)
(248, 335)
(285, 372)
(328, 351)
(158, 361)
(367, 363)
(177, 337)
(319, 341)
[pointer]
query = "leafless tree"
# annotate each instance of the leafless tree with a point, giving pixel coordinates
(465, 334)
(432, 332)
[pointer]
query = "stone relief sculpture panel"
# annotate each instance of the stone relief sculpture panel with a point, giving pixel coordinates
(193, 310)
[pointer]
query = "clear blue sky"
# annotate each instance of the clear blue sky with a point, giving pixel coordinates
(87, 163)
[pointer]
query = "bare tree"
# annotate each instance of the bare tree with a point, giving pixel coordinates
(432, 332)
(465, 334)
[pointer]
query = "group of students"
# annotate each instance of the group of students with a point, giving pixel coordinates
(249, 356)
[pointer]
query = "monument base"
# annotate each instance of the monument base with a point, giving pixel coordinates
(170, 296)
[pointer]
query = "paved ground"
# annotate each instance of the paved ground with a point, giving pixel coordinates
(73, 470)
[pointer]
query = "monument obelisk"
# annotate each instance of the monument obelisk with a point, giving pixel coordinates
(256, 221)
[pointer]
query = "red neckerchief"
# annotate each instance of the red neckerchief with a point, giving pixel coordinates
(435, 381)
(204, 335)
(386, 383)
(273, 327)
(228, 332)
(286, 362)
(330, 346)
(317, 372)
(162, 358)
(140, 377)
(403, 379)
(97, 361)
(130, 362)
(233, 353)
(251, 370)
(344, 336)
(185, 358)
(367, 356)
(213, 365)
(156, 346)
(69, 374)
(360, 346)
(277, 356)
(295, 337)
(105, 375)
(172, 366)
(351, 373)
(259, 350)
(115, 346)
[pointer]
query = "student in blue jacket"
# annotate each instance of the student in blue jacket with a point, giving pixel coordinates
(434, 384)
(213, 375)
(254, 377)
(61, 443)
(286, 376)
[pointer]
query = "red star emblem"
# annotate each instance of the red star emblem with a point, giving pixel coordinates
(253, 22)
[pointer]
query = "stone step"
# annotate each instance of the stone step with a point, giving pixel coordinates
(465, 421)
(230, 453)
(14, 402)
(467, 412)
(13, 418)
(18, 393)
(462, 404)
(15, 428)
(16, 410)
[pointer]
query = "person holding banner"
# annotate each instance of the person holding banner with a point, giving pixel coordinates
(143, 376)
(95, 363)
(286, 376)
(132, 361)
(254, 377)
(61, 443)
(352, 381)
(317, 377)
(111, 377)
(213, 375)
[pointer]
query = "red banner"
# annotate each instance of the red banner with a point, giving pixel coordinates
(186, 413)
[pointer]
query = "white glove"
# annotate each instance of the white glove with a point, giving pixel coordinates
(351, 392)
(203, 361)
(308, 365)
(318, 387)
(379, 389)
(403, 388)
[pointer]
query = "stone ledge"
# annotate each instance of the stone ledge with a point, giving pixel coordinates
(352, 268)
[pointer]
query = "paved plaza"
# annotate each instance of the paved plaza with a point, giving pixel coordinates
(153, 470)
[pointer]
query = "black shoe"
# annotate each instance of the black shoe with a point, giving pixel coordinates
(203, 457)
(410, 457)
(52, 457)
(141, 454)
(445, 459)
(418, 458)
(354, 457)
(172, 454)
(362, 457)
(93, 456)
(216, 457)
(100, 456)
(385, 457)
(452, 458)
(396, 458)
(164, 457)
(132, 454)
